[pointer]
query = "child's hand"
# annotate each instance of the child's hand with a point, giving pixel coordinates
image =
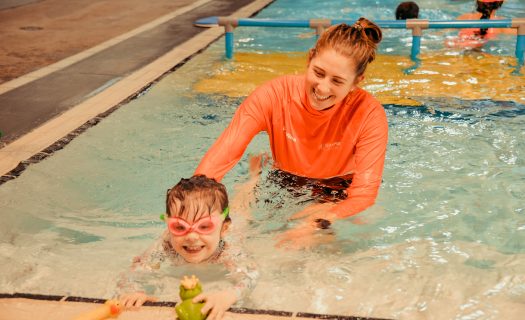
(135, 300)
(217, 302)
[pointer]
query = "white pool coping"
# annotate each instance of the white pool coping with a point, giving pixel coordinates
(56, 128)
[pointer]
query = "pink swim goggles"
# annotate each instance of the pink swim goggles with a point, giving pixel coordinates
(206, 225)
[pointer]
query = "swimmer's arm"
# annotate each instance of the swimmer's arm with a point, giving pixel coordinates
(370, 158)
(244, 195)
(242, 270)
(135, 279)
(249, 119)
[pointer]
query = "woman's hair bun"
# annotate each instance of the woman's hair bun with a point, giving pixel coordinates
(372, 30)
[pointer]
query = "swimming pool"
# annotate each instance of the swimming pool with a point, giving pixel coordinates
(445, 239)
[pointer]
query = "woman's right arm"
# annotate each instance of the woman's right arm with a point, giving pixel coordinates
(249, 119)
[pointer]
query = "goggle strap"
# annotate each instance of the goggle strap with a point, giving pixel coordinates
(225, 213)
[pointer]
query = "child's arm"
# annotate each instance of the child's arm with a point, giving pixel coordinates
(242, 269)
(218, 302)
(132, 284)
(243, 272)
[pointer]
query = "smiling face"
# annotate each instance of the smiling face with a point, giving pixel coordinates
(329, 79)
(195, 219)
(195, 246)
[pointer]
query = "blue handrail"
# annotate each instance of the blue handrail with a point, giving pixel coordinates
(416, 25)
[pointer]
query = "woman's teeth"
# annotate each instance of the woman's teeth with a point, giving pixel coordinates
(319, 97)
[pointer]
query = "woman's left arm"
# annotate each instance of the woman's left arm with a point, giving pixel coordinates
(369, 157)
(370, 153)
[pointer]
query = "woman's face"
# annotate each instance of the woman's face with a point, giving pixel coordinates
(329, 79)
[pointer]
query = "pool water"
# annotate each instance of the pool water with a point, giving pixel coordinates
(445, 239)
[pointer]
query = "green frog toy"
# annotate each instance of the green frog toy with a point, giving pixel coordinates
(187, 310)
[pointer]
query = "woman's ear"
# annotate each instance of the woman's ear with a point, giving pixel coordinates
(225, 227)
(359, 78)
(311, 53)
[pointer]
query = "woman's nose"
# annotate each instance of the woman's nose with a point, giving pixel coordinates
(323, 86)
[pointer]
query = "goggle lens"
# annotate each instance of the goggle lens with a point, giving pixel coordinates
(180, 227)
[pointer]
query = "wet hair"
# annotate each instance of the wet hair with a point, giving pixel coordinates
(358, 42)
(198, 195)
(407, 10)
(486, 9)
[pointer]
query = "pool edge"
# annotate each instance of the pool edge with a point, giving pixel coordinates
(17, 155)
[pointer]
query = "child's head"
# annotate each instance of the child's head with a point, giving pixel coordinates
(337, 62)
(407, 10)
(197, 217)
(487, 8)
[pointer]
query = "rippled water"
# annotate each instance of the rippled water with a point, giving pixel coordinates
(444, 241)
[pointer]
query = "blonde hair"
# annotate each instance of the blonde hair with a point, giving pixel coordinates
(198, 195)
(357, 42)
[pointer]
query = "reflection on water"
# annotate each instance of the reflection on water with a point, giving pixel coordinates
(444, 241)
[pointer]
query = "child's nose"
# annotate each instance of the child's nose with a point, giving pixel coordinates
(192, 235)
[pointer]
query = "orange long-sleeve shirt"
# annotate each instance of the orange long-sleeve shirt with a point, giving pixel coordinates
(350, 138)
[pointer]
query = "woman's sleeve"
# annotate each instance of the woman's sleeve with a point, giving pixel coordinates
(370, 154)
(249, 119)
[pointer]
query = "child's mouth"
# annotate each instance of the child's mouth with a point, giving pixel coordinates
(193, 249)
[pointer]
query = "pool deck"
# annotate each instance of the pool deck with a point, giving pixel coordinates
(36, 307)
(56, 102)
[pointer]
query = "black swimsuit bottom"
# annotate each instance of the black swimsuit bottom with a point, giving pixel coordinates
(322, 190)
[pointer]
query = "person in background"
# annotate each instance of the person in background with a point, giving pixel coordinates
(196, 225)
(407, 10)
(324, 130)
(473, 37)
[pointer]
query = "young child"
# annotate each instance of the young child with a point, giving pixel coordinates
(197, 221)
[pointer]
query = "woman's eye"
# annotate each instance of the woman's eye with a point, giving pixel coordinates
(319, 74)
(180, 227)
(337, 82)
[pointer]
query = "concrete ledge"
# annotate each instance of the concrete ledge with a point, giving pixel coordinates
(57, 128)
(36, 307)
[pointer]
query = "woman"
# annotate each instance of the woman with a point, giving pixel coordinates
(321, 125)
(476, 38)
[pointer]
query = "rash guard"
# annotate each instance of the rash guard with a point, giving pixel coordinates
(348, 139)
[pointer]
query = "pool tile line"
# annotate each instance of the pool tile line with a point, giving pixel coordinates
(171, 304)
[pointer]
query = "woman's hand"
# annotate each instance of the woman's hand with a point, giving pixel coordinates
(316, 211)
(217, 302)
(135, 300)
(312, 231)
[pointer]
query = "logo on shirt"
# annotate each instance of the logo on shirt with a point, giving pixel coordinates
(290, 137)
(330, 145)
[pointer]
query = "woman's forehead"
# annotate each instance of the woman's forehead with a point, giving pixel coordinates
(336, 63)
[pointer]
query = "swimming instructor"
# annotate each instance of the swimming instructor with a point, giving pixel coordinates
(320, 124)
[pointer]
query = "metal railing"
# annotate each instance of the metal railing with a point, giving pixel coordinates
(416, 25)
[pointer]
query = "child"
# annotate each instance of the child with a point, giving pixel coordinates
(197, 221)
